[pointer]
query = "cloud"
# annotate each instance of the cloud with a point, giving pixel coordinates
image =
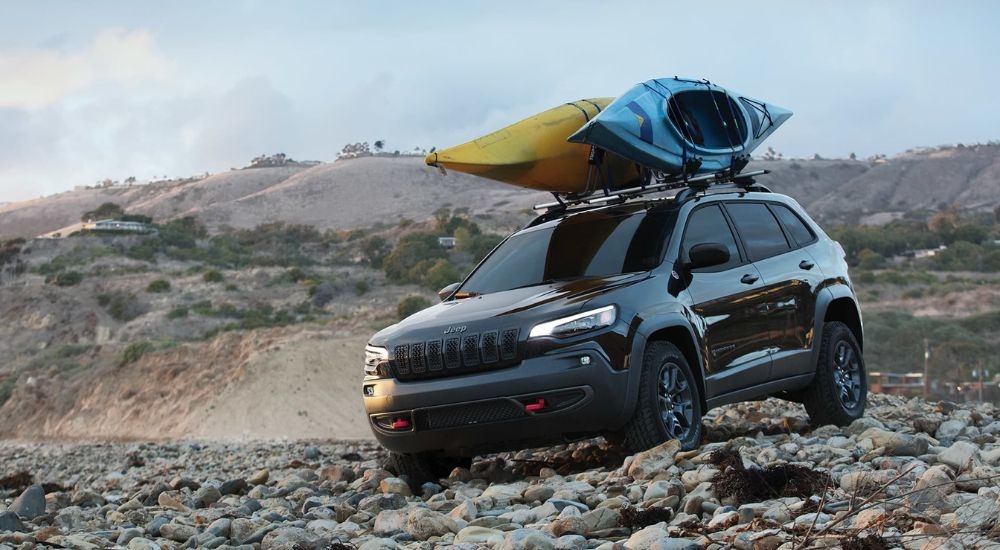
(35, 78)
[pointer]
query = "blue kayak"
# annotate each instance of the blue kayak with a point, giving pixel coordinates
(680, 126)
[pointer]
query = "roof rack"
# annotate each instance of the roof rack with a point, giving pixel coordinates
(691, 186)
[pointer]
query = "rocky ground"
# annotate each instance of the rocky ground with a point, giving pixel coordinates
(910, 475)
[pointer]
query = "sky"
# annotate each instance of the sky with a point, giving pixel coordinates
(98, 89)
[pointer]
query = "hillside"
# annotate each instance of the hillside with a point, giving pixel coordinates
(367, 191)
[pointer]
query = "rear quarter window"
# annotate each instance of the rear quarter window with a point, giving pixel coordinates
(761, 233)
(796, 227)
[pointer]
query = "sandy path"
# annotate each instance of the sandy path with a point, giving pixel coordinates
(309, 388)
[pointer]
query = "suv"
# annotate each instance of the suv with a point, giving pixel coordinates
(628, 321)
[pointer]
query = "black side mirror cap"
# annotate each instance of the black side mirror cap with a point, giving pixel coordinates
(447, 291)
(707, 255)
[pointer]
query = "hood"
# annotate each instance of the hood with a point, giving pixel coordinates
(515, 308)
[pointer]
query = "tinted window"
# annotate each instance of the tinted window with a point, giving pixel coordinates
(761, 234)
(709, 225)
(799, 231)
(590, 244)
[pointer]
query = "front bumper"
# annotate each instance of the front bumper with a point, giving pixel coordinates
(565, 394)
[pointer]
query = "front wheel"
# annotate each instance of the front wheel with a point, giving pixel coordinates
(669, 405)
(420, 468)
(838, 392)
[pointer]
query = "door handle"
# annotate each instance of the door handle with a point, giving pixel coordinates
(806, 264)
(749, 279)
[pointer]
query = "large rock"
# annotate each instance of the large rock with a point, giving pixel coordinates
(390, 522)
(960, 455)
(866, 480)
(949, 430)
(29, 504)
(980, 514)
(644, 539)
(287, 538)
(422, 524)
(10, 522)
(647, 464)
(527, 539)
(932, 489)
(480, 535)
(896, 444)
(178, 532)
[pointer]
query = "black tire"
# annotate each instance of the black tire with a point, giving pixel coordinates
(839, 390)
(419, 468)
(669, 405)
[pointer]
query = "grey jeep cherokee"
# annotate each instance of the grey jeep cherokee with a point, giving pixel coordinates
(628, 321)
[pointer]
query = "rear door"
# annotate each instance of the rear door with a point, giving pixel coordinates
(728, 303)
(789, 277)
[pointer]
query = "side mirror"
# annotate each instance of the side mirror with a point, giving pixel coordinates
(707, 255)
(447, 291)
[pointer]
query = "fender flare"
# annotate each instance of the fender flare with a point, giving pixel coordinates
(647, 329)
(824, 299)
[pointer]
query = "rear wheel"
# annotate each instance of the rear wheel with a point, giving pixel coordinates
(669, 405)
(838, 393)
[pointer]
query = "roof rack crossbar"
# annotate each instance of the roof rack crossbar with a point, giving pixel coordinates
(693, 184)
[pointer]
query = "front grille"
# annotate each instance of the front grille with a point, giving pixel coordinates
(495, 349)
(483, 412)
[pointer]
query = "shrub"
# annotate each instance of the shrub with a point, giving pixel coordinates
(212, 276)
(231, 287)
(134, 352)
(440, 274)
(361, 286)
(177, 313)
(410, 305)
(72, 350)
(408, 252)
(158, 286)
(122, 306)
(323, 293)
(6, 390)
(65, 278)
(202, 307)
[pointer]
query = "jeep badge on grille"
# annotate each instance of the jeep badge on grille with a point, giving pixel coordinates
(455, 328)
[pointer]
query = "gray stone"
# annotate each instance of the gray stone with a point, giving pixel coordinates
(981, 513)
(541, 493)
(675, 544)
(127, 535)
(465, 511)
(860, 425)
(949, 430)
(390, 522)
(178, 532)
(527, 539)
(153, 527)
(561, 504)
(236, 486)
(311, 453)
(379, 544)
(571, 542)
(220, 527)
(29, 504)
(601, 518)
(141, 543)
(479, 535)
(288, 537)
(645, 538)
(337, 473)
(896, 444)
(960, 455)
(206, 496)
(10, 522)
(379, 503)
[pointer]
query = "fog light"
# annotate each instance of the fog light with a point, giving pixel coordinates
(585, 360)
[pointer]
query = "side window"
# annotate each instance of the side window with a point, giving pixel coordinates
(760, 231)
(797, 229)
(708, 225)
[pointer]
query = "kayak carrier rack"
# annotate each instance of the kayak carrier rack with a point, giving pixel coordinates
(690, 187)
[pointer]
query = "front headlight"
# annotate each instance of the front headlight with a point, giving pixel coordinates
(575, 324)
(375, 357)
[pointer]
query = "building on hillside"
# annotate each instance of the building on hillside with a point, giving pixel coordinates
(896, 383)
(446, 242)
(119, 226)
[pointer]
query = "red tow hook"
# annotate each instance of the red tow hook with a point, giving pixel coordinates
(400, 423)
(536, 406)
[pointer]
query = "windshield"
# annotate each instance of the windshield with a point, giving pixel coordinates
(589, 244)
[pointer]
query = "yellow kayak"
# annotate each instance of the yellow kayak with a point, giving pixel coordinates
(534, 153)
